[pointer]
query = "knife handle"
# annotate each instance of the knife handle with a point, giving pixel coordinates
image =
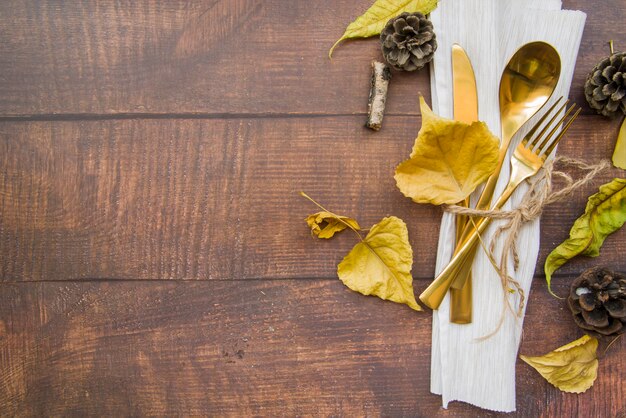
(461, 299)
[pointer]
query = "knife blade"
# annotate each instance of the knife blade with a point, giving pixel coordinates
(465, 107)
(464, 86)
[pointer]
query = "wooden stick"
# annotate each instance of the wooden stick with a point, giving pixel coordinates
(378, 95)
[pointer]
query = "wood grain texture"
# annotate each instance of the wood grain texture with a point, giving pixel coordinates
(218, 199)
(212, 56)
(154, 142)
(279, 348)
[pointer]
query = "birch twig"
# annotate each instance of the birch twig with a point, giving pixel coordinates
(378, 95)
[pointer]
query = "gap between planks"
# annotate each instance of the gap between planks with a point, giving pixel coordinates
(264, 279)
(72, 117)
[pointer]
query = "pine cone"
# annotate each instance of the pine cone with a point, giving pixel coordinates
(408, 41)
(605, 88)
(598, 301)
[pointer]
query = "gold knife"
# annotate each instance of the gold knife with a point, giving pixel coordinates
(465, 110)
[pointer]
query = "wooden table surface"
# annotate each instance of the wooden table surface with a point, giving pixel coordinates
(153, 254)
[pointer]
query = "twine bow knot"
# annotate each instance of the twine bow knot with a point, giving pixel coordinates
(539, 194)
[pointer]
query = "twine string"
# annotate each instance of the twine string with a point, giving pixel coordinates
(539, 195)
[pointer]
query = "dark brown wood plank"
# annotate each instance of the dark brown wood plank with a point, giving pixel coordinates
(218, 199)
(211, 56)
(268, 348)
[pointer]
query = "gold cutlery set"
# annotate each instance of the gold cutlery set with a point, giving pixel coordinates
(527, 83)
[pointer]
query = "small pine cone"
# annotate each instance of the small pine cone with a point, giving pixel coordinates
(598, 301)
(605, 88)
(408, 41)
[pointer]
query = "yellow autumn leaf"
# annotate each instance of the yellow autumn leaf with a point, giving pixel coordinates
(449, 160)
(326, 224)
(374, 19)
(572, 368)
(380, 264)
(619, 155)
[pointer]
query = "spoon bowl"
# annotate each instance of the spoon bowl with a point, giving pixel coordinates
(528, 81)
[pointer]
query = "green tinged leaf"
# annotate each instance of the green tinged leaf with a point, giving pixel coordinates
(380, 265)
(374, 19)
(580, 237)
(605, 213)
(619, 155)
(572, 368)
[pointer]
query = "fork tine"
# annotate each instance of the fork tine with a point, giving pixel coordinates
(551, 147)
(556, 127)
(531, 133)
(541, 134)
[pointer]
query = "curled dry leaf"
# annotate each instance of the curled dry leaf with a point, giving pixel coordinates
(605, 213)
(572, 368)
(449, 160)
(619, 155)
(374, 19)
(326, 224)
(380, 264)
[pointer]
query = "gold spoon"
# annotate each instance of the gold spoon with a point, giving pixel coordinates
(528, 81)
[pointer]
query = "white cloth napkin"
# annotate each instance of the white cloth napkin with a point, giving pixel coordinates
(462, 367)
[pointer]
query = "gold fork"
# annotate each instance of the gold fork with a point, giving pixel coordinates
(529, 156)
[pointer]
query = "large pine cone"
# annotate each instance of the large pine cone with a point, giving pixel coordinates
(605, 88)
(408, 41)
(598, 301)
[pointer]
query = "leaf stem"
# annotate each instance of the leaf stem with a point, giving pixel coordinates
(306, 196)
(611, 343)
